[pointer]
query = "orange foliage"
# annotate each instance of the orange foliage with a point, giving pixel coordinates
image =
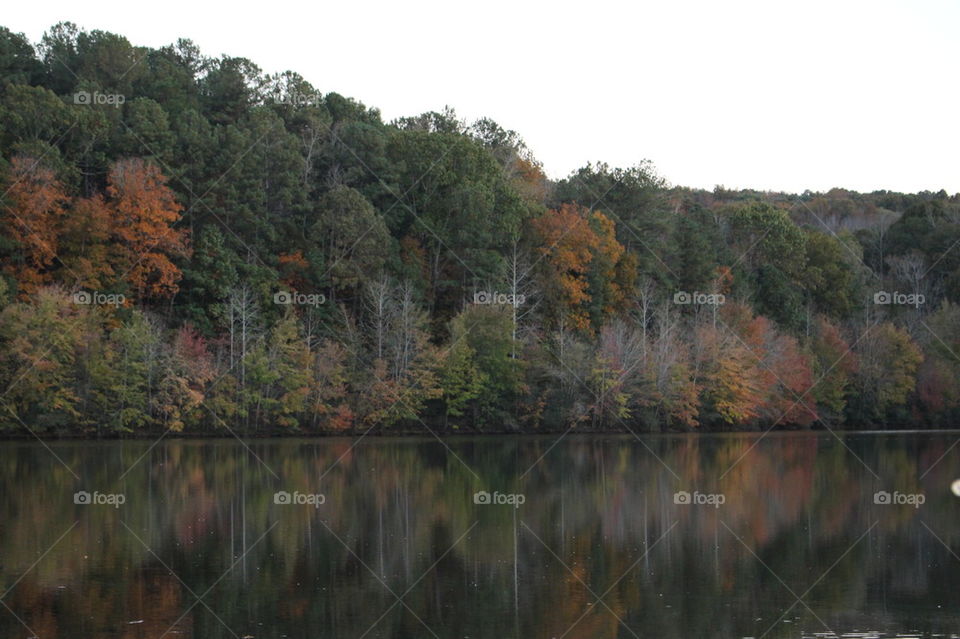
(145, 214)
(611, 254)
(724, 280)
(731, 382)
(131, 234)
(530, 181)
(581, 250)
(85, 236)
(787, 375)
(292, 268)
(37, 202)
(568, 243)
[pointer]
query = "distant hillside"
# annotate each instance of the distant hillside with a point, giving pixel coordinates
(190, 244)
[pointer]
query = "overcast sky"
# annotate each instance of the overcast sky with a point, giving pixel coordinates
(768, 95)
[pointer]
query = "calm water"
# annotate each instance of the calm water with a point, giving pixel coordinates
(786, 540)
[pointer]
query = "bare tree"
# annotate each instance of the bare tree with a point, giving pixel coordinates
(909, 269)
(645, 298)
(243, 321)
(377, 306)
(523, 300)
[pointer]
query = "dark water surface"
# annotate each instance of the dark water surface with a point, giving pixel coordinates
(786, 538)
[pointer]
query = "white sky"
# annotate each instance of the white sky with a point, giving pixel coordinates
(767, 94)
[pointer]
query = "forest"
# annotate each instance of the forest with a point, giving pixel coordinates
(192, 245)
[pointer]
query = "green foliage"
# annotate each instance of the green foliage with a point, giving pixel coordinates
(697, 250)
(486, 332)
(774, 247)
(352, 237)
(460, 378)
(888, 363)
(123, 375)
(831, 273)
(18, 61)
(290, 372)
(40, 341)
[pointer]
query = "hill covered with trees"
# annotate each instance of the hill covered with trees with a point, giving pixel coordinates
(190, 244)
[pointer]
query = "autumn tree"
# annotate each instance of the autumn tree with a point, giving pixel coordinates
(566, 243)
(634, 198)
(400, 372)
(786, 375)
(889, 360)
(668, 392)
(834, 364)
(144, 216)
(34, 207)
(587, 274)
(727, 374)
(39, 344)
(329, 399)
(88, 258)
(612, 375)
(188, 368)
(612, 271)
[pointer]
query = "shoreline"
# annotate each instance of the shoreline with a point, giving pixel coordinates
(380, 434)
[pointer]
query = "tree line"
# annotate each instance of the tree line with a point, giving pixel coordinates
(191, 244)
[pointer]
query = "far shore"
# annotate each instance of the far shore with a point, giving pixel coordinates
(394, 433)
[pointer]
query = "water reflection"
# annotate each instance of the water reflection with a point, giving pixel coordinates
(401, 546)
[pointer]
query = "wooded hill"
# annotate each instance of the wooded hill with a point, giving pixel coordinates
(191, 244)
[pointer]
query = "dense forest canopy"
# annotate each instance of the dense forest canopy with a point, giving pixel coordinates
(191, 244)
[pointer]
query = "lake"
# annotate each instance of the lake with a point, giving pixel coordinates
(579, 537)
